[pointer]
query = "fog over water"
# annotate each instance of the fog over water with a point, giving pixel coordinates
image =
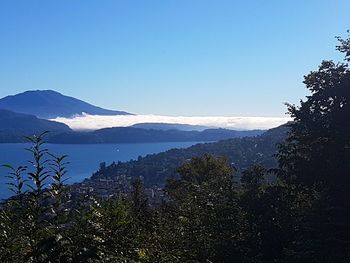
(94, 122)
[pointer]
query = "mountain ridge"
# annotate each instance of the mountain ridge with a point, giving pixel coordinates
(14, 126)
(139, 135)
(49, 104)
(169, 126)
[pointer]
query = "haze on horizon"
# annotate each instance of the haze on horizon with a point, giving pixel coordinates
(166, 58)
(95, 122)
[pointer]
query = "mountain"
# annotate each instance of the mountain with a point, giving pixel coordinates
(170, 126)
(49, 104)
(156, 168)
(137, 135)
(23, 124)
(13, 126)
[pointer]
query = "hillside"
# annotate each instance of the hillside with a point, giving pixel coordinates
(51, 104)
(136, 135)
(13, 126)
(240, 152)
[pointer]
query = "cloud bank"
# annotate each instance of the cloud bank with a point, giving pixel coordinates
(94, 122)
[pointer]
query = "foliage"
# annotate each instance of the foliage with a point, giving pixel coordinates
(317, 154)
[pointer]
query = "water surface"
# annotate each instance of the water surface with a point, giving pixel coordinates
(84, 158)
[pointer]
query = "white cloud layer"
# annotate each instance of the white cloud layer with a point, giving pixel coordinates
(94, 122)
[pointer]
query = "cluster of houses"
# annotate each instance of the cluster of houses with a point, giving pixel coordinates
(107, 187)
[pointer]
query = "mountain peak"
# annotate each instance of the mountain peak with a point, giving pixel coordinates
(43, 92)
(51, 104)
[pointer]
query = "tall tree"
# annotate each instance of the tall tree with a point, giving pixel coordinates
(317, 154)
(207, 217)
(318, 145)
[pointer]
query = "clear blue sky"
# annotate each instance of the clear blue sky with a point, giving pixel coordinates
(174, 57)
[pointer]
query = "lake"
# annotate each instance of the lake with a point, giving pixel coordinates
(84, 159)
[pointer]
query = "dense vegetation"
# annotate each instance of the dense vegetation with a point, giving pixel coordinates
(205, 217)
(240, 153)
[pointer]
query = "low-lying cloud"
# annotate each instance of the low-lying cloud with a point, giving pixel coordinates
(94, 122)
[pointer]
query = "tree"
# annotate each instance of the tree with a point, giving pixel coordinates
(316, 154)
(318, 142)
(206, 216)
(27, 231)
(344, 46)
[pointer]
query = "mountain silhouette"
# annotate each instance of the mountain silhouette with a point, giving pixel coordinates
(49, 104)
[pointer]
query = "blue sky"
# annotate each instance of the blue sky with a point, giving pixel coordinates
(183, 57)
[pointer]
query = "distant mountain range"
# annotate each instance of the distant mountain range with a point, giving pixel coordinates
(170, 126)
(137, 135)
(27, 113)
(50, 104)
(14, 126)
